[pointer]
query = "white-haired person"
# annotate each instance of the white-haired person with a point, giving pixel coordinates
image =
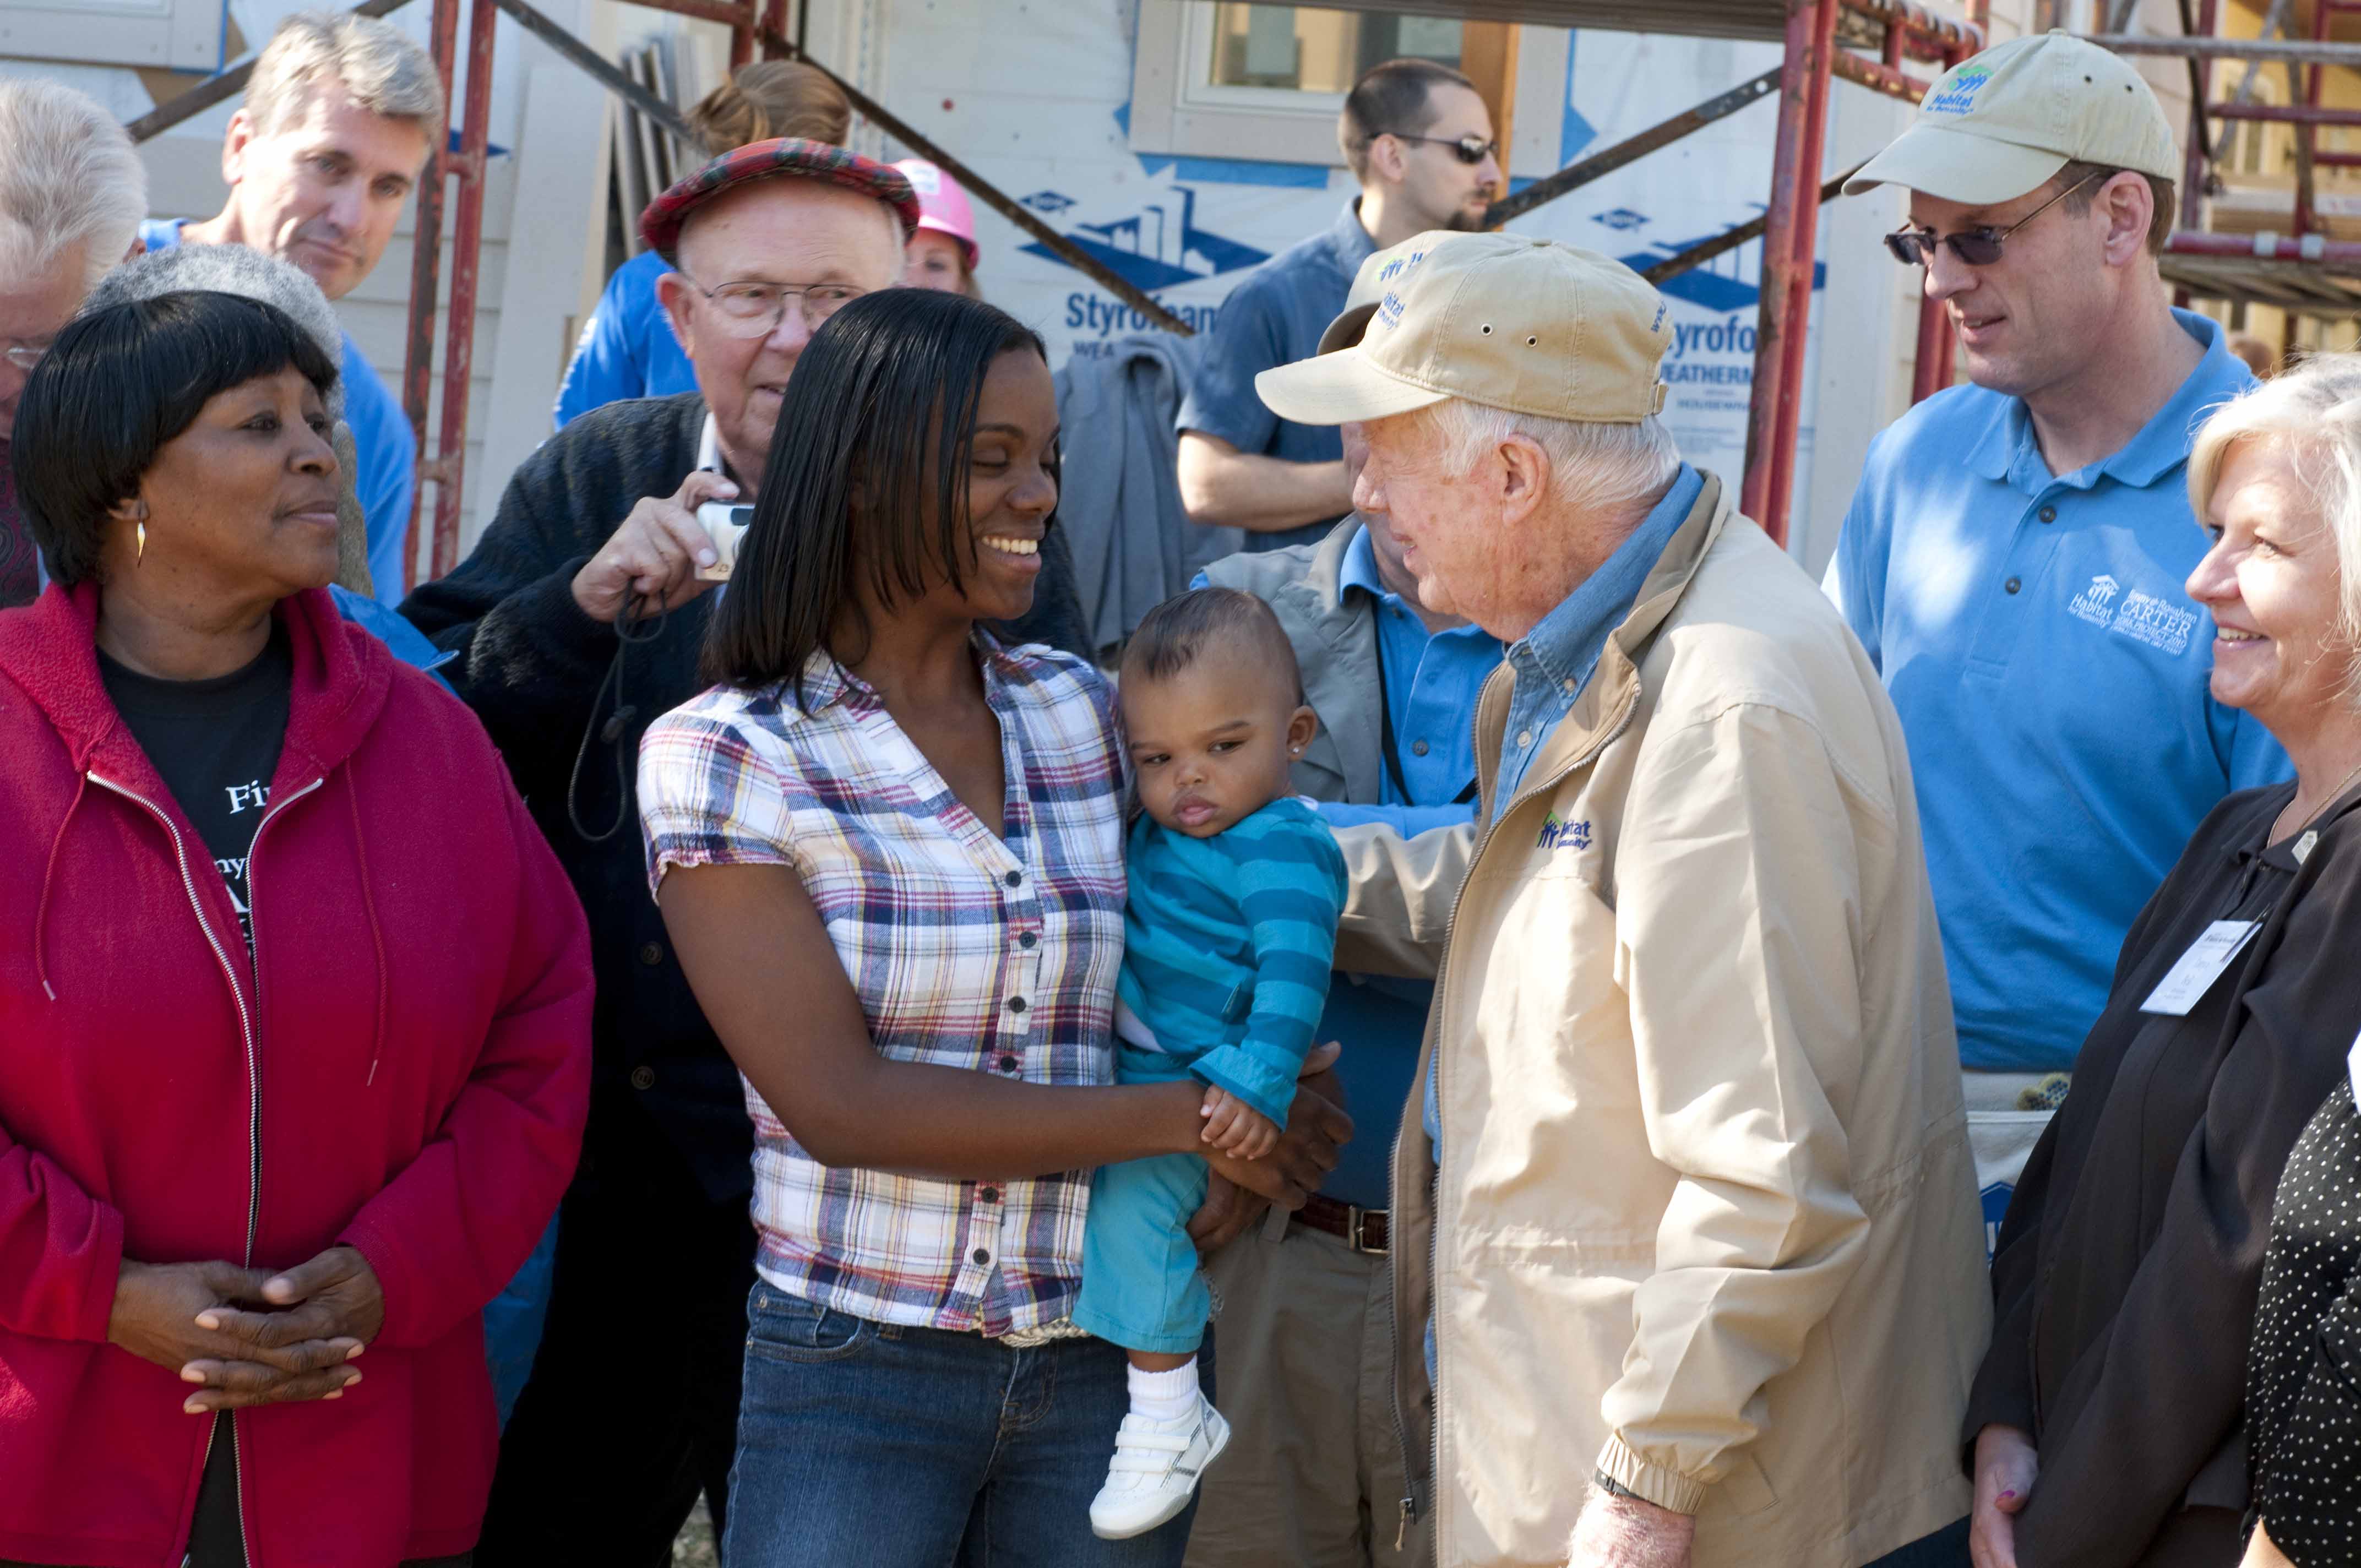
(2110, 1420)
(72, 194)
(321, 158)
(629, 348)
(1683, 1231)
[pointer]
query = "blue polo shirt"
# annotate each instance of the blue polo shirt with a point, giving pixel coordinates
(2050, 674)
(1430, 684)
(1276, 318)
(627, 349)
(385, 450)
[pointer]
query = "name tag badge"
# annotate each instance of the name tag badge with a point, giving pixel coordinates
(2199, 966)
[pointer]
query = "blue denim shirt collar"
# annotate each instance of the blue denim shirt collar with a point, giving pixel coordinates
(1554, 660)
(2008, 452)
(1566, 644)
(1349, 241)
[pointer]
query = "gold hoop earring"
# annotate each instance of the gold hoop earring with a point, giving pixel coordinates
(141, 554)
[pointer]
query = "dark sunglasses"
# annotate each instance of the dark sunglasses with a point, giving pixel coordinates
(1467, 149)
(1976, 246)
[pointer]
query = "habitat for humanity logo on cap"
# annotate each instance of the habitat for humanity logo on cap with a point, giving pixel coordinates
(1396, 270)
(1999, 126)
(1956, 94)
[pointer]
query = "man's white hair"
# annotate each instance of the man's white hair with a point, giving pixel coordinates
(68, 177)
(377, 62)
(230, 269)
(1594, 468)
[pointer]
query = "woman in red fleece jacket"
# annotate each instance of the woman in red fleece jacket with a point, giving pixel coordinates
(316, 1097)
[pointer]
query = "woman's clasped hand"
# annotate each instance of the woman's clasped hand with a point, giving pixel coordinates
(247, 1336)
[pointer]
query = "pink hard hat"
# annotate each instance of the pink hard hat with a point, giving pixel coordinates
(942, 205)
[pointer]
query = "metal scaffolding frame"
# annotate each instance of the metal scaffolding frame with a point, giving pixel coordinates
(1818, 50)
(2300, 271)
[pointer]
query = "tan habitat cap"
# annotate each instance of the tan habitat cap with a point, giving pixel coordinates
(1503, 320)
(1997, 125)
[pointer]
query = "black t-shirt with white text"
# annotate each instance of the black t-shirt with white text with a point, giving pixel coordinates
(216, 744)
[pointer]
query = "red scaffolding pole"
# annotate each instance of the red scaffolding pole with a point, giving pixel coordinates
(1788, 238)
(445, 469)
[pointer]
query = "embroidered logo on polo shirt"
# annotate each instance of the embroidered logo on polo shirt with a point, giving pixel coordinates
(2143, 618)
(2096, 603)
(1558, 835)
(1958, 95)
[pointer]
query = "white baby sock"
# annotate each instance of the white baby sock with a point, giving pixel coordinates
(1165, 1396)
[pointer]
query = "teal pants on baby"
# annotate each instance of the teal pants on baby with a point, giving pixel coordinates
(1141, 1286)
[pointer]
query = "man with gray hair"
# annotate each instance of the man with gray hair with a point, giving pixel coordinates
(71, 193)
(1683, 1234)
(338, 118)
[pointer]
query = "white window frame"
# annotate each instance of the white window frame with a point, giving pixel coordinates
(1183, 116)
(172, 35)
(1175, 110)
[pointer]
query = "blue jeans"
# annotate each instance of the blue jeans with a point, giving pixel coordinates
(890, 1447)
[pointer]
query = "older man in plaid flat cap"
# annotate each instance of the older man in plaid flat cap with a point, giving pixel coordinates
(616, 1433)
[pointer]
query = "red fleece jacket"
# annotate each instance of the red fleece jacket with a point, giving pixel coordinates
(404, 1068)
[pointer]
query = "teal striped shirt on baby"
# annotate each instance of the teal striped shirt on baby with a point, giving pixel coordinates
(1227, 943)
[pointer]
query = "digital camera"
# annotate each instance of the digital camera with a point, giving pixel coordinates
(724, 523)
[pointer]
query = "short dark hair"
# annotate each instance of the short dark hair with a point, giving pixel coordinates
(1392, 98)
(121, 384)
(1176, 633)
(2161, 190)
(883, 402)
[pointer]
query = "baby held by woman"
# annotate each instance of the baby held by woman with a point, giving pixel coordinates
(1235, 889)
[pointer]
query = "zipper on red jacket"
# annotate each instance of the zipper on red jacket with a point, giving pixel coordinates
(246, 1025)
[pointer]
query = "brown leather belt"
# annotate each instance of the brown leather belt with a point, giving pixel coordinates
(1363, 1230)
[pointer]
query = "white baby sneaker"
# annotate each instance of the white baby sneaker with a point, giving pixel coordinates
(1154, 1470)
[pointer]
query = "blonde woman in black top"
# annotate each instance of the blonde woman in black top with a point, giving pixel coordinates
(2108, 1420)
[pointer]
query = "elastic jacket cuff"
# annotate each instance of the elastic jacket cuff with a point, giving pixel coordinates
(1657, 1484)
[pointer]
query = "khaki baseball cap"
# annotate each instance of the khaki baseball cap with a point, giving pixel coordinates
(1997, 125)
(1507, 321)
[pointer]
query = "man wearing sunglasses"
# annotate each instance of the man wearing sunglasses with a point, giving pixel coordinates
(1419, 139)
(2014, 557)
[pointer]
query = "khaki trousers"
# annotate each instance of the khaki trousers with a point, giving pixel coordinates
(1313, 1475)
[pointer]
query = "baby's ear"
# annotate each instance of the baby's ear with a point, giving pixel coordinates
(1301, 725)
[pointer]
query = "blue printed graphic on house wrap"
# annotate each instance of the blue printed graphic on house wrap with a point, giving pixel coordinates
(1158, 245)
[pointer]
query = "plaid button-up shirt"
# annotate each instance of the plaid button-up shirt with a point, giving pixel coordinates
(995, 953)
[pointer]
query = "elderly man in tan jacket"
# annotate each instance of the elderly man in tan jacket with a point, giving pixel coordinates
(1686, 1251)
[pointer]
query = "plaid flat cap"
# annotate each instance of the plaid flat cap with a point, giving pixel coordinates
(787, 157)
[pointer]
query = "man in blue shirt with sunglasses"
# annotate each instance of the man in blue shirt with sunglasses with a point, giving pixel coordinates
(2014, 559)
(1420, 142)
